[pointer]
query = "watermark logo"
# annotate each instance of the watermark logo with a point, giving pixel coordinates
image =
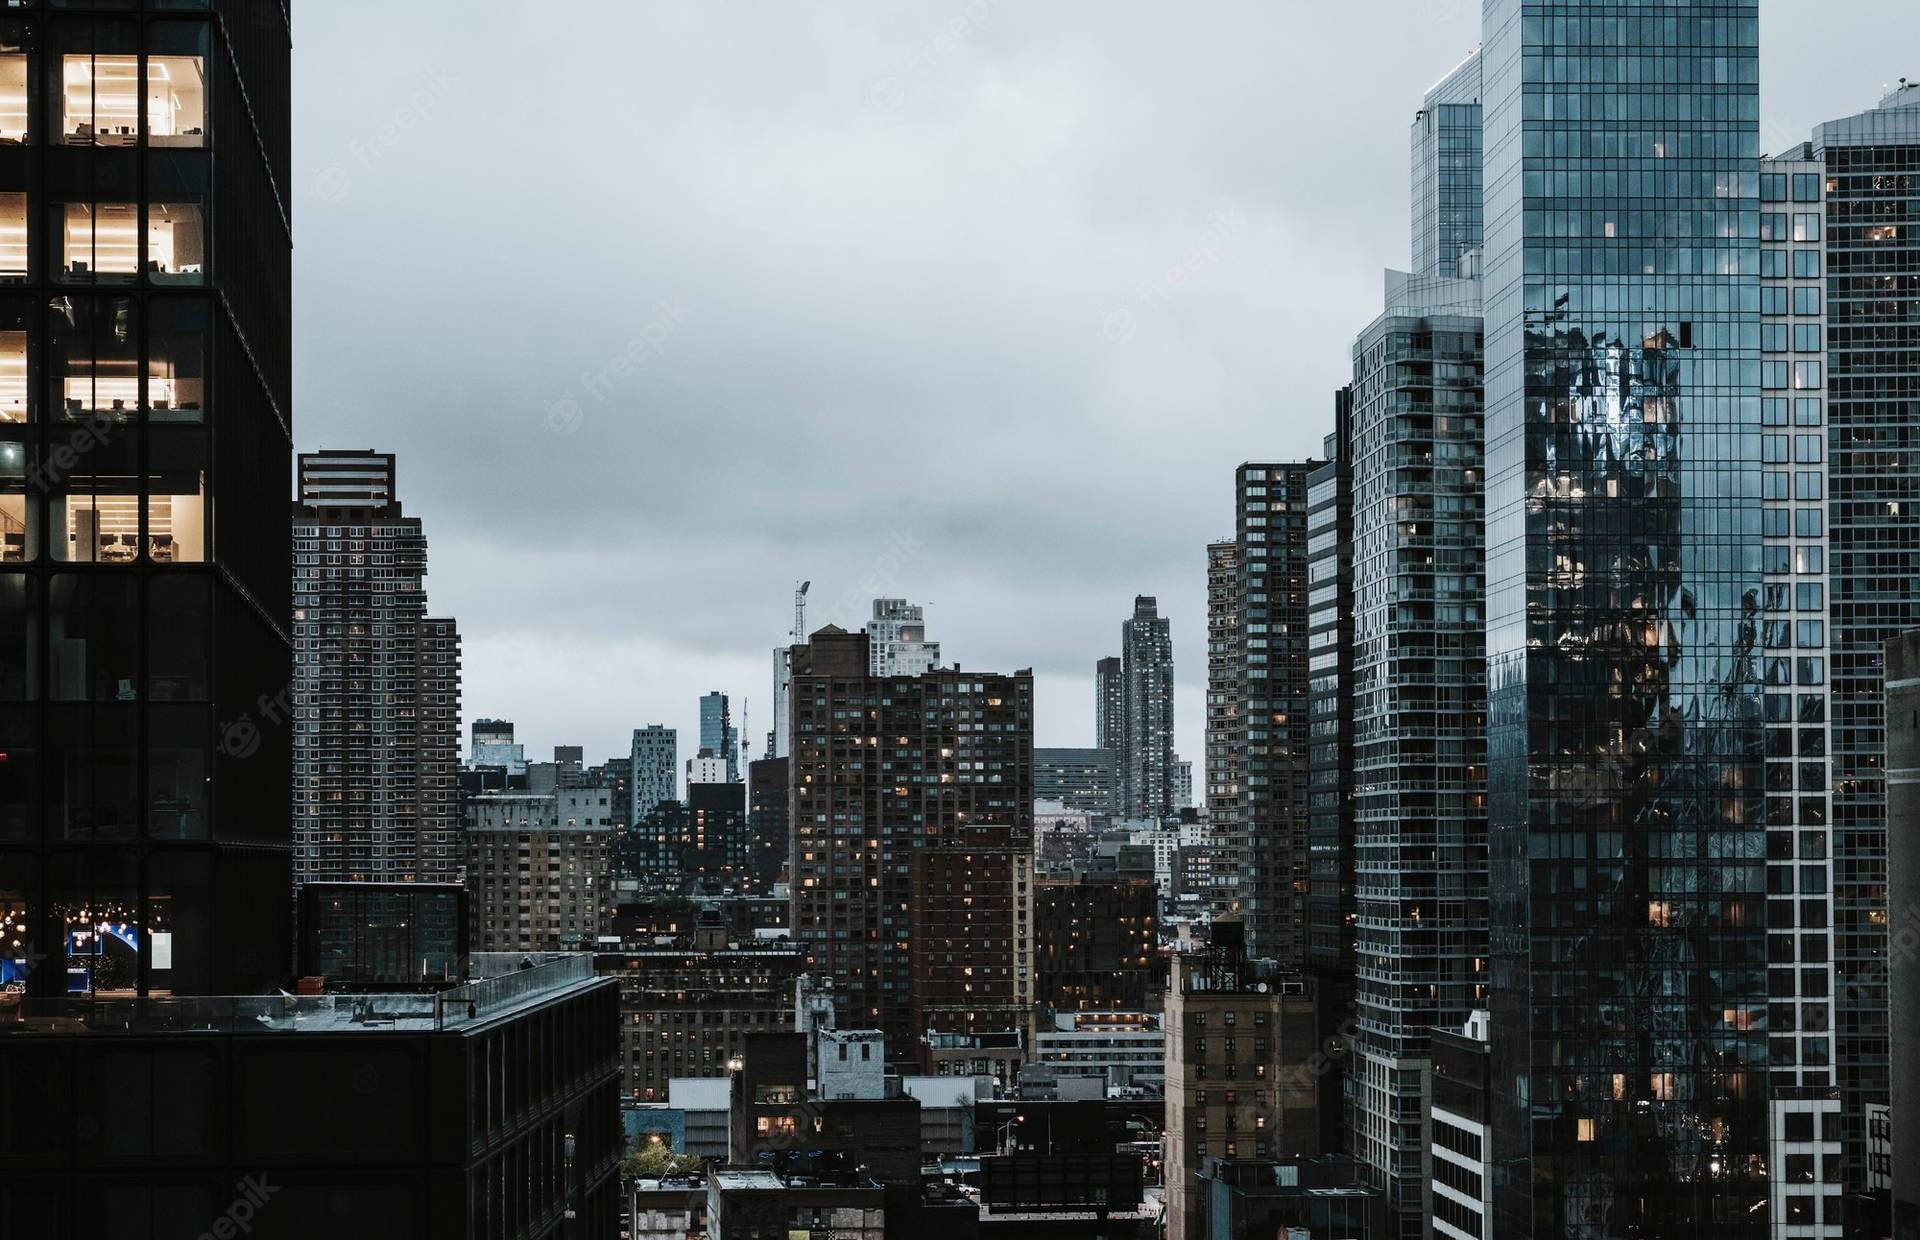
(240, 737)
(335, 181)
(565, 414)
(250, 1195)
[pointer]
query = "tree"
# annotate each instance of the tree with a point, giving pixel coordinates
(650, 1158)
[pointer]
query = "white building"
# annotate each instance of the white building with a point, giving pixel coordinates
(897, 642)
(853, 1064)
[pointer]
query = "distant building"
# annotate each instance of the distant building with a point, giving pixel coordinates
(1459, 1197)
(376, 685)
(656, 769)
(1145, 754)
(1080, 779)
(1095, 945)
(923, 917)
(1182, 784)
(767, 822)
(539, 864)
(686, 1011)
(1239, 1080)
(718, 736)
(493, 745)
(718, 843)
(707, 767)
(897, 642)
(370, 935)
(1109, 712)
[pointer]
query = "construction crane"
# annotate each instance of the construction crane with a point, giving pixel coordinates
(800, 611)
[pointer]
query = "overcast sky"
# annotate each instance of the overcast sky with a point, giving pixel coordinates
(667, 306)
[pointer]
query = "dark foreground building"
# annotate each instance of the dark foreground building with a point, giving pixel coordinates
(485, 1110)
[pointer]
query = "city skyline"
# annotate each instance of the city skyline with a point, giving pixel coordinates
(894, 82)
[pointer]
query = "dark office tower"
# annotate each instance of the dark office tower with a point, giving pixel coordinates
(1419, 712)
(376, 686)
(1872, 165)
(1146, 712)
(1628, 974)
(1903, 898)
(1330, 844)
(1225, 754)
(769, 822)
(912, 850)
(145, 650)
(1264, 752)
(717, 733)
(1080, 779)
(1109, 705)
(1447, 219)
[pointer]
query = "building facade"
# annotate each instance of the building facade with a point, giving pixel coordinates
(1238, 1042)
(718, 736)
(912, 855)
(539, 865)
(145, 837)
(1257, 692)
(1418, 666)
(1145, 755)
(1080, 779)
(1095, 943)
(1626, 833)
(656, 768)
(376, 686)
(897, 639)
(687, 1011)
(1871, 163)
(493, 746)
(1109, 710)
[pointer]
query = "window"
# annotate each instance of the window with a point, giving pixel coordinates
(1773, 264)
(1806, 300)
(1773, 337)
(13, 238)
(1773, 300)
(94, 357)
(1808, 596)
(1806, 187)
(1807, 338)
(1773, 449)
(1806, 375)
(13, 360)
(93, 638)
(1810, 560)
(1773, 226)
(177, 85)
(176, 243)
(1807, 448)
(177, 359)
(100, 97)
(1773, 411)
(1806, 226)
(1806, 264)
(1806, 411)
(1773, 187)
(99, 242)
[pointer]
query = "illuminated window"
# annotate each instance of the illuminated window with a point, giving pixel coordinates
(101, 100)
(176, 101)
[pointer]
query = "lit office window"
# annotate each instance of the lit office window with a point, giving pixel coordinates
(176, 243)
(100, 242)
(94, 356)
(176, 101)
(100, 98)
(13, 83)
(13, 238)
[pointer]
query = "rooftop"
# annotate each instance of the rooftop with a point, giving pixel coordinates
(501, 984)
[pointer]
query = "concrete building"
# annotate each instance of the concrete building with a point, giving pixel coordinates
(1121, 1050)
(347, 1114)
(707, 767)
(1257, 687)
(1419, 723)
(376, 685)
(1867, 165)
(768, 823)
(687, 1011)
(851, 1063)
(1145, 755)
(1095, 944)
(1080, 779)
(493, 746)
(913, 843)
(1239, 1084)
(897, 642)
(1459, 1143)
(1109, 713)
(656, 769)
(1902, 1117)
(539, 864)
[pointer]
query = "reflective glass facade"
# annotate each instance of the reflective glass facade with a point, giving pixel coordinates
(1626, 829)
(145, 721)
(1447, 216)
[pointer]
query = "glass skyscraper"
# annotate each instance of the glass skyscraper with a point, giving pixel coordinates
(1626, 838)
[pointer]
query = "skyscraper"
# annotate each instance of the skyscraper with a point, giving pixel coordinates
(1872, 164)
(1257, 723)
(656, 768)
(1109, 707)
(1145, 756)
(1418, 672)
(145, 835)
(1628, 975)
(1448, 224)
(912, 854)
(897, 639)
(718, 735)
(376, 684)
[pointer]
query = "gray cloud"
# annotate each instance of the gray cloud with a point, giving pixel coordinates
(1020, 282)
